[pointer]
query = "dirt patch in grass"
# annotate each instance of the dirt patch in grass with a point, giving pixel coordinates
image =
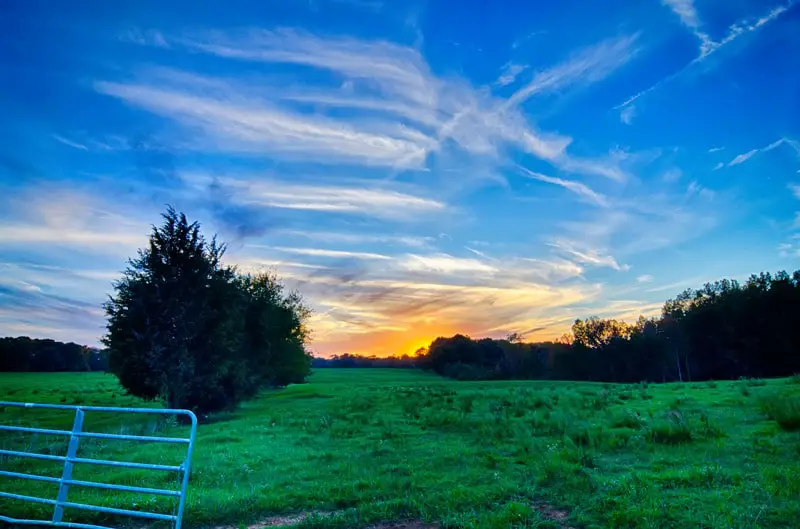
(407, 524)
(283, 520)
(559, 516)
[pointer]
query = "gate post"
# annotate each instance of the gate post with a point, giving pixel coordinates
(72, 452)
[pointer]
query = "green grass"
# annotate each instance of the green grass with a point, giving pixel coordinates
(372, 445)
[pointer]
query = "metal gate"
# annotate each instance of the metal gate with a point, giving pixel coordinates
(71, 459)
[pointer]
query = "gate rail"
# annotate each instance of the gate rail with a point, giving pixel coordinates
(71, 459)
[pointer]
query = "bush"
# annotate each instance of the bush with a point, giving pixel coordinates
(783, 409)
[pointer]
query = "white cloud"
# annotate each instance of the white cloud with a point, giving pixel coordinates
(32, 234)
(741, 158)
(359, 197)
(741, 28)
(446, 264)
(70, 143)
(65, 218)
(716, 149)
(402, 111)
(578, 188)
(586, 66)
(358, 238)
(627, 114)
(589, 256)
(319, 252)
(795, 188)
(396, 69)
(719, 165)
(510, 73)
(685, 9)
(687, 12)
(256, 126)
(645, 278)
(547, 271)
(477, 252)
(696, 189)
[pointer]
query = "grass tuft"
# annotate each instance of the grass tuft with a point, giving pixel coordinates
(783, 409)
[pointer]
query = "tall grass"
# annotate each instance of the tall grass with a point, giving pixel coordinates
(783, 409)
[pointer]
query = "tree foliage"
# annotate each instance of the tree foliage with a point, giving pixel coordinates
(186, 329)
(724, 330)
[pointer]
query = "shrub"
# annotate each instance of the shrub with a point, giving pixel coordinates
(783, 409)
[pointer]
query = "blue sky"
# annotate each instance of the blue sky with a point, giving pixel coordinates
(414, 169)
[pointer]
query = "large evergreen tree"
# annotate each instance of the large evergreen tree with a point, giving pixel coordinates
(186, 329)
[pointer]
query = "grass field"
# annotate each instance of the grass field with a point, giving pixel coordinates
(362, 446)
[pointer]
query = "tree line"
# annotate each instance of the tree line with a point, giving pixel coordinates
(31, 354)
(725, 330)
(347, 360)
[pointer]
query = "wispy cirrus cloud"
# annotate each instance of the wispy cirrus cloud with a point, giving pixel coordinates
(688, 15)
(589, 256)
(72, 219)
(412, 241)
(743, 157)
(582, 190)
(627, 114)
(510, 73)
(586, 66)
(256, 126)
(401, 113)
(70, 143)
(687, 12)
(319, 252)
(355, 197)
(445, 264)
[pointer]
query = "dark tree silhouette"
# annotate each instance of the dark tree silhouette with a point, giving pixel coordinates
(724, 330)
(186, 329)
(30, 354)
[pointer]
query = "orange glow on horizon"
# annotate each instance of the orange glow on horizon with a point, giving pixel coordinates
(386, 343)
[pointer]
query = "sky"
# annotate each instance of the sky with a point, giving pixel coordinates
(413, 168)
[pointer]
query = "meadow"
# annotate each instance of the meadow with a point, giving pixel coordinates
(364, 447)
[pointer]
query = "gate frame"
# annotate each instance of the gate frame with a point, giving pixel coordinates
(65, 481)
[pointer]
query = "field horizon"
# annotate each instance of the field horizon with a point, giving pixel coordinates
(360, 447)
